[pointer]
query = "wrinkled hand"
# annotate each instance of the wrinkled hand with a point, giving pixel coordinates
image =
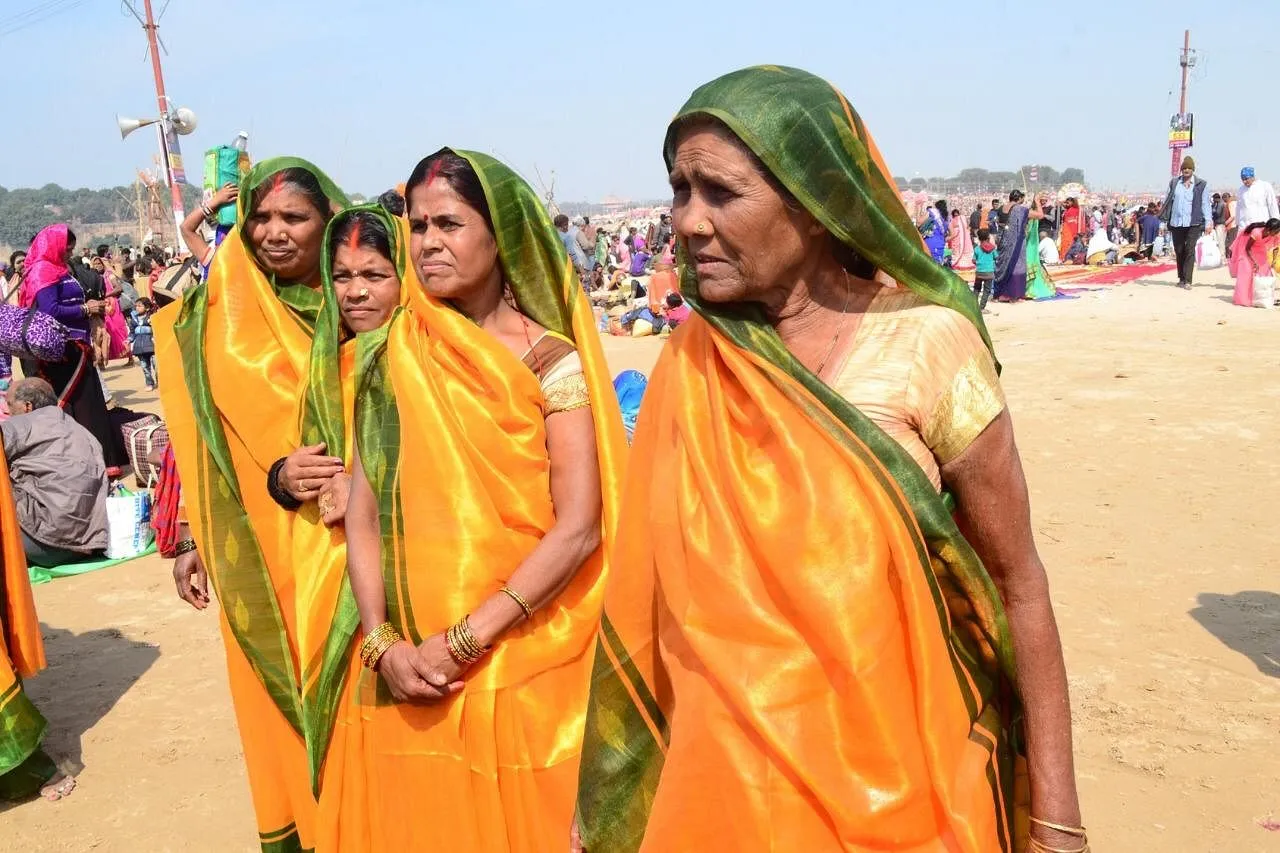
(434, 654)
(225, 196)
(410, 679)
(307, 470)
(95, 306)
(191, 579)
(333, 499)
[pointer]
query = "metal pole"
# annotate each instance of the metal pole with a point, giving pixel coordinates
(1176, 164)
(175, 190)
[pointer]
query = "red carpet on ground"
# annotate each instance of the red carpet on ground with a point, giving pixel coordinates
(1075, 276)
(1121, 274)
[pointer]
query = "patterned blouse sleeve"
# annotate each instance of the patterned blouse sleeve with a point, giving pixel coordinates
(955, 386)
(564, 386)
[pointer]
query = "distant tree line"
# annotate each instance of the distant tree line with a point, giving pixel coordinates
(23, 212)
(975, 180)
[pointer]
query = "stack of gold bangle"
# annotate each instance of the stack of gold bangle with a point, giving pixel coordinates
(377, 643)
(462, 644)
(1075, 831)
(518, 599)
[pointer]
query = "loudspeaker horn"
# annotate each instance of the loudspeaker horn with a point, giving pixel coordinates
(129, 125)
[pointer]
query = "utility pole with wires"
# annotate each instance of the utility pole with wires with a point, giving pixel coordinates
(1187, 59)
(170, 153)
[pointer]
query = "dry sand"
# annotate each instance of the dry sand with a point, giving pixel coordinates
(1148, 426)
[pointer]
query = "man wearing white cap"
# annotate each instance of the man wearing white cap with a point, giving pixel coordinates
(1257, 200)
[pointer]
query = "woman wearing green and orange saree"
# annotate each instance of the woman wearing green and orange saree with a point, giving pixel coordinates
(486, 480)
(234, 360)
(801, 650)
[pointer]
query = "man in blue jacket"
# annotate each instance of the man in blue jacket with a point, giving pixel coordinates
(1188, 214)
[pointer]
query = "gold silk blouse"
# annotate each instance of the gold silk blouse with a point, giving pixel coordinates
(922, 374)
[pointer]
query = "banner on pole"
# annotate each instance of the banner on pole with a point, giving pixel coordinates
(177, 175)
(1181, 127)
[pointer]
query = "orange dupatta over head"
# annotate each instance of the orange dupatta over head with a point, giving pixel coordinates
(799, 650)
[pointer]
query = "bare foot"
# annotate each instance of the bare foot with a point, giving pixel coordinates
(59, 788)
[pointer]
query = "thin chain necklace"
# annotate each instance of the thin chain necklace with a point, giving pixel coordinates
(844, 313)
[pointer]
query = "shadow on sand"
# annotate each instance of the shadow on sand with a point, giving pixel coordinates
(86, 676)
(1248, 622)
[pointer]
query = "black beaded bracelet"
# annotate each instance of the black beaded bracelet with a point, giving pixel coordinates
(277, 492)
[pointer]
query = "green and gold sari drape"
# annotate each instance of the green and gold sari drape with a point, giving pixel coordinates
(234, 359)
(800, 651)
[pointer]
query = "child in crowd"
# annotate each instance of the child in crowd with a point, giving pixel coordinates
(984, 258)
(143, 341)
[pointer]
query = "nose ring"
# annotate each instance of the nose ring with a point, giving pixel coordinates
(364, 291)
(702, 228)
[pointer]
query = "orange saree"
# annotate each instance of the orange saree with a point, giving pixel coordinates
(451, 430)
(234, 359)
(23, 765)
(799, 649)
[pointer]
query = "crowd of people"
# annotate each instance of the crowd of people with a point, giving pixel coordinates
(1074, 233)
(461, 610)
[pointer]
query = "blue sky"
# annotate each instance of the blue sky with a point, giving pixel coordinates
(586, 89)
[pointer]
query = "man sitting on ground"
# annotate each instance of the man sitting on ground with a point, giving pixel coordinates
(1048, 251)
(59, 483)
(1101, 251)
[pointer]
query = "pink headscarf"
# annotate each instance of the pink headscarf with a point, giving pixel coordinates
(46, 263)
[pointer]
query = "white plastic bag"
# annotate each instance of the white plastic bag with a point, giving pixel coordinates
(129, 530)
(1264, 291)
(1208, 255)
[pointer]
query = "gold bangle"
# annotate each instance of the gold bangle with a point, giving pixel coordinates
(376, 636)
(1035, 846)
(377, 642)
(1077, 831)
(457, 648)
(375, 657)
(518, 599)
(462, 643)
(470, 646)
(369, 655)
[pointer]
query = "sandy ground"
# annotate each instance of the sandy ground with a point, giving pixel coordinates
(1147, 422)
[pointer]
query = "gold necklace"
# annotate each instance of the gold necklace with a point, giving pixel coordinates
(844, 312)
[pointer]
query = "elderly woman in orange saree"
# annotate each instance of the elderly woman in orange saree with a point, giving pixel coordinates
(489, 444)
(816, 657)
(234, 364)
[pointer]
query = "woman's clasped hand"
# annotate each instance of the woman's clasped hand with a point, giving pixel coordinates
(421, 674)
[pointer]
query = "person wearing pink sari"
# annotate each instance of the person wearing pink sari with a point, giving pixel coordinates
(959, 242)
(117, 330)
(50, 287)
(1251, 256)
